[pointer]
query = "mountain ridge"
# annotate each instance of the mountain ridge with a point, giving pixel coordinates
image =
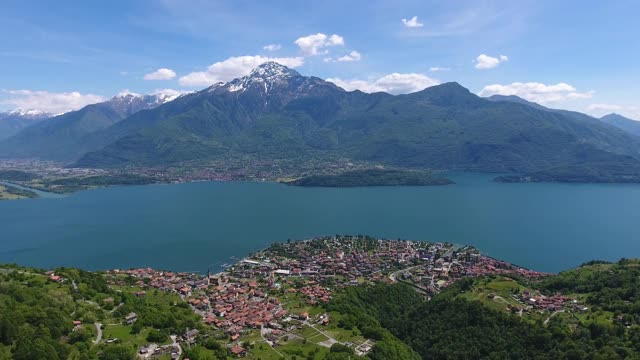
(12, 122)
(629, 125)
(275, 113)
(62, 137)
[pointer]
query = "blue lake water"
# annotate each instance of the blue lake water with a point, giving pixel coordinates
(187, 227)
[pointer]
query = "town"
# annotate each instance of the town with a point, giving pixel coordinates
(276, 294)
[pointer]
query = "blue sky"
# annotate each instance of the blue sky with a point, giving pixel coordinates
(580, 55)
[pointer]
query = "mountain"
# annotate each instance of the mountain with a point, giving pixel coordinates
(517, 100)
(276, 113)
(11, 122)
(64, 137)
(621, 122)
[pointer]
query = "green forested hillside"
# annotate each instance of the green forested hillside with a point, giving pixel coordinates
(37, 316)
(455, 326)
(56, 316)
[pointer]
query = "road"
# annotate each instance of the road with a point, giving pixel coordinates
(99, 330)
(552, 315)
(326, 343)
(498, 297)
(394, 277)
(269, 342)
(175, 343)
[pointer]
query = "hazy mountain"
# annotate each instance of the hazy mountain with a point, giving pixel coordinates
(626, 124)
(12, 122)
(517, 100)
(64, 137)
(274, 112)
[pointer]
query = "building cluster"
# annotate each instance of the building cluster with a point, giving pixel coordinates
(252, 293)
(236, 305)
(556, 302)
(180, 282)
(435, 273)
(346, 259)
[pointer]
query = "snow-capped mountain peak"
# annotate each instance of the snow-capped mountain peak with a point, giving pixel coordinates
(264, 78)
(271, 85)
(126, 94)
(272, 70)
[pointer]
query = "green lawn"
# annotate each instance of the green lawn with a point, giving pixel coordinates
(122, 332)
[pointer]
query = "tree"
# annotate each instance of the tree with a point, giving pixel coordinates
(118, 352)
(157, 336)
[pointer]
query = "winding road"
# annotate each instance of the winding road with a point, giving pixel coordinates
(99, 330)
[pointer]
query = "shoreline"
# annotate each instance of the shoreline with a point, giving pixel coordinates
(248, 258)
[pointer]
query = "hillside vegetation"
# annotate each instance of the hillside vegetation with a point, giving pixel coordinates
(455, 324)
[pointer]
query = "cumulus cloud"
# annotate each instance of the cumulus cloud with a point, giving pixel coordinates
(272, 47)
(537, 92)
(234, 67)
(161, 74)
(412, 23)
(352, 56)
(315, 44)
(50, 102)
(438, 68)
(392, 83)
(489, 62)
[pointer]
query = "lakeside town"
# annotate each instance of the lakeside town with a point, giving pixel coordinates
(278, 294)
(233, 168)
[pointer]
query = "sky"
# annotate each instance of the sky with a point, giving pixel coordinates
(579, 55)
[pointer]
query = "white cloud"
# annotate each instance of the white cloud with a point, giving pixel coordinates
(168, 94)
(488, 62)
(604, 107)
(315, 44)
(438, 68)
(232, 68)
(161, 74)
(272, 47)
(55, 103)
(393, 83)
(352, 56)
(537, 92)
(412, 23)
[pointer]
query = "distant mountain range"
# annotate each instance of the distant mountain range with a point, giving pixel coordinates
(626, 124)
(11, 122)
(276, 113)
(66, 137)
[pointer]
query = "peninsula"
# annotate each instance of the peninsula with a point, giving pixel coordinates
(371, 177)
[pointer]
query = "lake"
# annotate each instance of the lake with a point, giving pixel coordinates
(188, 227)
